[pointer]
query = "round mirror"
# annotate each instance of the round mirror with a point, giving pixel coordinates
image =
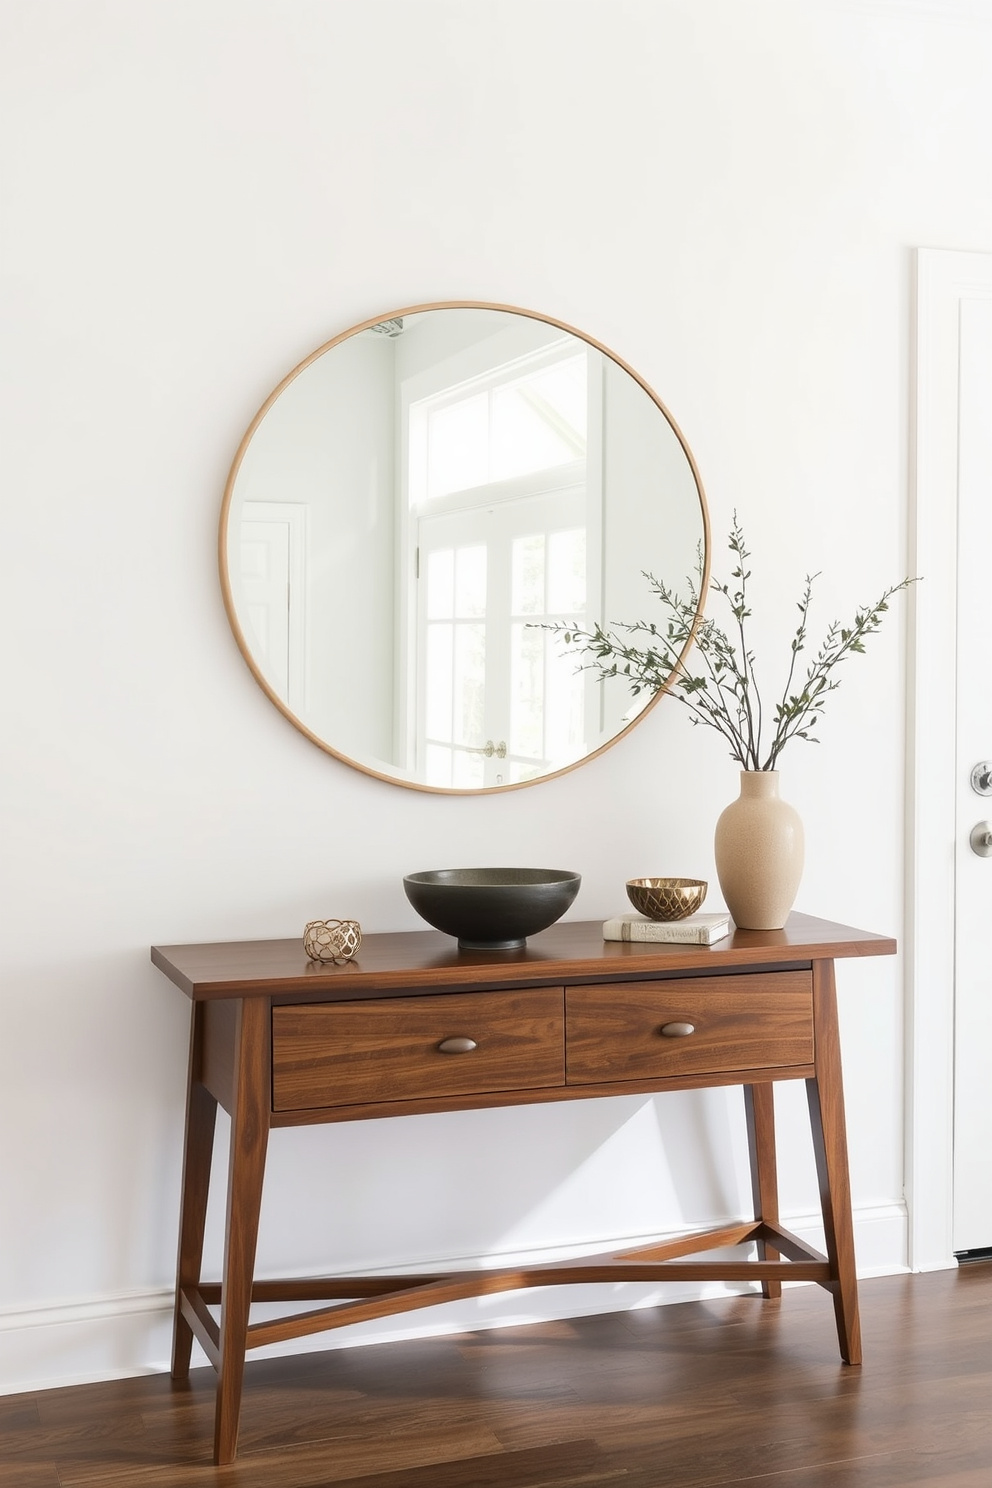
(414, 509)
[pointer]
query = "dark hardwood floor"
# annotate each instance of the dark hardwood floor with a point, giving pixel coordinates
(704, 1393)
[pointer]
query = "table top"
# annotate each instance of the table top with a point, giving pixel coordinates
(415, 960)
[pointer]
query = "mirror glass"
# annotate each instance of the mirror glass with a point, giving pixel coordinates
(412, 508)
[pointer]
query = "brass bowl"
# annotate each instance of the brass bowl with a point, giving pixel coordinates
(666, 898)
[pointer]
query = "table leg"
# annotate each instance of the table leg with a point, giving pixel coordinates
(759, 1108)
(825, 1094)
(249, 1138)
(201, 1115)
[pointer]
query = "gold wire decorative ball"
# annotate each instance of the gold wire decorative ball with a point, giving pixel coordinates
(332, 940)
(666, 898)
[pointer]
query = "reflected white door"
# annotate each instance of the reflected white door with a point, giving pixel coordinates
(972, 1225)
(271, 582)
(498, 701)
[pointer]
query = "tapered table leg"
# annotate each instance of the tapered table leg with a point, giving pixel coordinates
(759, 1108)
(201, 1115)
(249, 1139)
(825, 1095)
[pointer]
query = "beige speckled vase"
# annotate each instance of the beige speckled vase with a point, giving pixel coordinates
(759, 853)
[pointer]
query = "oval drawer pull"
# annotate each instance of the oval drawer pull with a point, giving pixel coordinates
(677, 1030)
(456, 1046)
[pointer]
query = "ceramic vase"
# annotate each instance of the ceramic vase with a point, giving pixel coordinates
(759, 853)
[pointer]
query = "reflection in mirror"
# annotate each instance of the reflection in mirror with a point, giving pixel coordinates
(409, 509)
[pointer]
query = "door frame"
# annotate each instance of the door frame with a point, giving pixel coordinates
(943, 278)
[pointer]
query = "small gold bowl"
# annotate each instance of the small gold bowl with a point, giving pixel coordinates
(666, 898)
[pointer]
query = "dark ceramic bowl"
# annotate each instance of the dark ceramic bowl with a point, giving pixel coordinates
(491, 908)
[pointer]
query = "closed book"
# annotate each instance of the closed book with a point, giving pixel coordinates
(697, 929)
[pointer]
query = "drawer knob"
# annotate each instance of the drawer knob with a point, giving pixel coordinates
(677, 1030)
(456, 1046)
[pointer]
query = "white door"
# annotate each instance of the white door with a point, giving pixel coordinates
(972, 1227)
(949, 1128)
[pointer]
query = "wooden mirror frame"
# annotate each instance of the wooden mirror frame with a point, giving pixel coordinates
(224, 536)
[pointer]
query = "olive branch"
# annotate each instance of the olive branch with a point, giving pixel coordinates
(721, 690)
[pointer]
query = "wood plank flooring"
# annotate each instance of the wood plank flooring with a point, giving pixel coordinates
(695, 1395)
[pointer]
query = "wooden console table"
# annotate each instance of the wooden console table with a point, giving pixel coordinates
(414, 1024)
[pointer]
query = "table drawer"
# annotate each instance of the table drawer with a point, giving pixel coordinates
(613, 1031)
(357, 1053)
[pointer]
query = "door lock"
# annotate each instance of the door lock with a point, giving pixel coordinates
(981, 778)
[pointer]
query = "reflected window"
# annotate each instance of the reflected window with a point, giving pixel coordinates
(547, 690)
(529, 415)
(454, 664)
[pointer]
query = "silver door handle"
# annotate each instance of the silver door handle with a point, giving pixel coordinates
(981, 839)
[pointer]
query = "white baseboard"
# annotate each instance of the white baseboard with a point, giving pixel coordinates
(45, 1348)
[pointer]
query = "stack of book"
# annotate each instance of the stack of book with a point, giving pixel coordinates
(697, 929)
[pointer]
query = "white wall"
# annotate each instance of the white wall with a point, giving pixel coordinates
(196, 195)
